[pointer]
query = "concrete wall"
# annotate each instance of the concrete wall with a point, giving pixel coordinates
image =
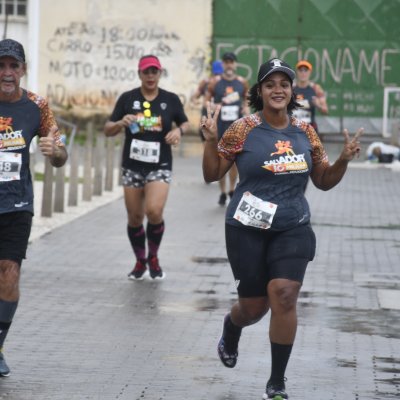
(89, 50)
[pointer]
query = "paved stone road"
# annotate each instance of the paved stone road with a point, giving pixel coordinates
(84, 331)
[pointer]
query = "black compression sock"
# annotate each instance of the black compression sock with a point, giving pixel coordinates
(231, 327)
(231, 334)
(280, 354)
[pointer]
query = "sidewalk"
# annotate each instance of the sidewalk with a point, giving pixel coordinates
(84, 331)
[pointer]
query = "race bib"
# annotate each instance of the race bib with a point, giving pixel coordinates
(255, 212)
(229, 113)
(145, 151)
(10, 166)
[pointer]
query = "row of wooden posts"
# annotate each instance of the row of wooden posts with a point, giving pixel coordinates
(97, 157)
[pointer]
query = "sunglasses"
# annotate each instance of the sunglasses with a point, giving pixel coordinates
(150, 70)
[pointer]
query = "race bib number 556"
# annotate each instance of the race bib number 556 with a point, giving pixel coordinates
(255, 212)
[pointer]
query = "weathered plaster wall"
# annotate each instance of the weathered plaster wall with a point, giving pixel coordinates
(89, 50)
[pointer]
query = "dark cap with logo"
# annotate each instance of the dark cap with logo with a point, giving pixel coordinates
(12, 48)
(229, 57)
(275, 65)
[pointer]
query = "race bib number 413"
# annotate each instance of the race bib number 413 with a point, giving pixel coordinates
(10, 166)
(255, 212)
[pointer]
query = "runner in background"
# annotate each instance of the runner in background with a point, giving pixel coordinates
(309, 95)
(146, 116)
(216, 70)
(23, 115)
(230, 91)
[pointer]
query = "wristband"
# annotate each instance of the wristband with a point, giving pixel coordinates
(181, 130)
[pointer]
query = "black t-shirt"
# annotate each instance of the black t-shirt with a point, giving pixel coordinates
(145, 145)
(20, 121)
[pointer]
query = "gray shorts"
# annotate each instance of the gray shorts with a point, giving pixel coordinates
(140, 178)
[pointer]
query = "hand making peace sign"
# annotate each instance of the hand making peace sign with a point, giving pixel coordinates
(208, 124)
(351, 147)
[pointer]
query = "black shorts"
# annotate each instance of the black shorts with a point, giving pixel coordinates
(257, 256)
(15, 229)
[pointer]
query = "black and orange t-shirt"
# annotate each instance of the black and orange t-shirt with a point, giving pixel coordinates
(273, 165)
(20, 122)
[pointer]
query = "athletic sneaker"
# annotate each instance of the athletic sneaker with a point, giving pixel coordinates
(155, 270)
(275, 391)
(138, 273)
(4, 370)
(222, 199)
(228, 347)
(230, 194)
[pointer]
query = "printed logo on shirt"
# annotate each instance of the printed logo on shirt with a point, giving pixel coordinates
(302, 101)
(136, 105)
(231, 96)
(146, 120)
(10, 139)
(285, 160)
(149, 122)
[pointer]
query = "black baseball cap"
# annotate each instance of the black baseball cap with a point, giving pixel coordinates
(275, 65)
(12, 48)
(229, 57)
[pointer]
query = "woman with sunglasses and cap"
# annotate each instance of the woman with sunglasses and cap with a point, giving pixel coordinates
(269, 238)
(147, 114)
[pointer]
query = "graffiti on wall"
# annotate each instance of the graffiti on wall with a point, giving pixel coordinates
(89, 66)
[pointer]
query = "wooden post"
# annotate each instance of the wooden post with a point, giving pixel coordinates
(47, 198)
(87, 166)
(110, 149)
(59, 198)
(73, 175)
(98, 165)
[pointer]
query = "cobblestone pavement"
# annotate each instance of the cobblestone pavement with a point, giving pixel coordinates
(84, 331)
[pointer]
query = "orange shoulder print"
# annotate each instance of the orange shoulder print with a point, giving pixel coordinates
(318, 153)
(234, 137)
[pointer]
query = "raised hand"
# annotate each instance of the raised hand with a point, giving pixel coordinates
(351, 147)
(47, 144)
(208, 124)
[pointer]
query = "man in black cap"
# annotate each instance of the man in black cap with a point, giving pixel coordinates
(230, 90)
(23, 115)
